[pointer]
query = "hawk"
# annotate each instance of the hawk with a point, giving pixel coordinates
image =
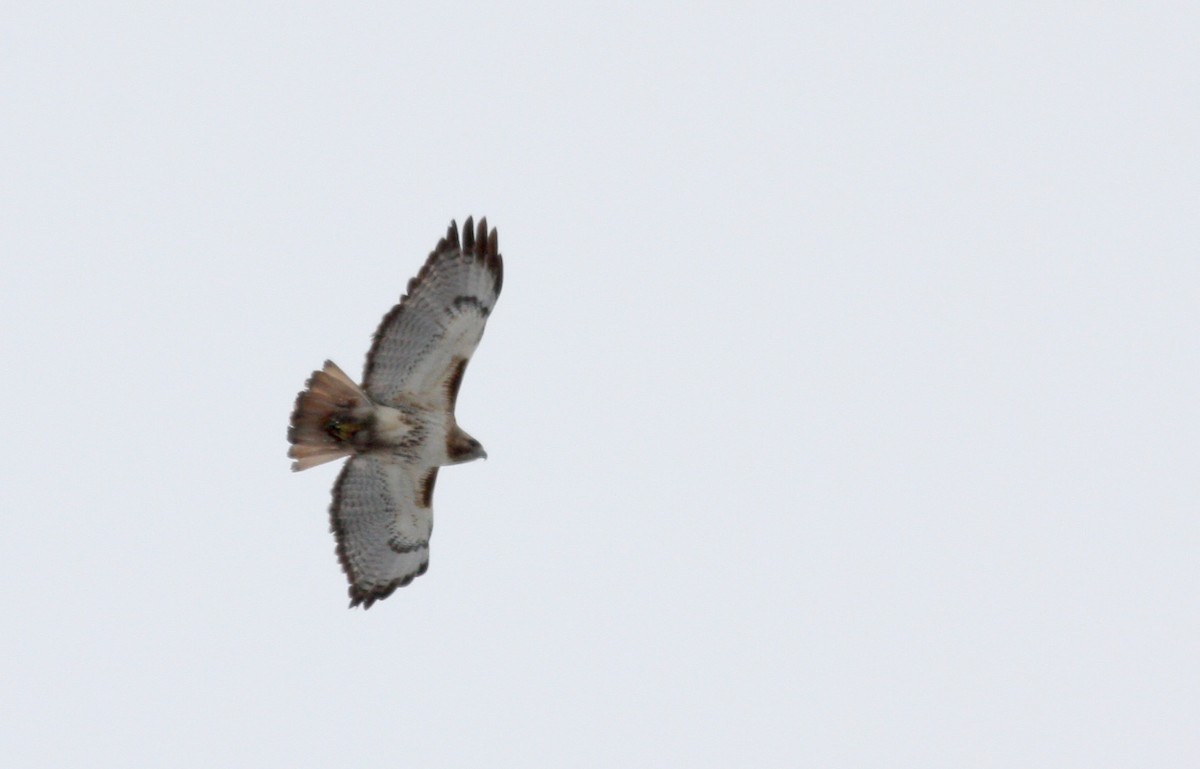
(398, 427)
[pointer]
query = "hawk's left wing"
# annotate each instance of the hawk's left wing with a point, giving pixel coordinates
(422, 347)
(382, 517)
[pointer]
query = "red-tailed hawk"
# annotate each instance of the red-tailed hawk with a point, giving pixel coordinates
(398, 428)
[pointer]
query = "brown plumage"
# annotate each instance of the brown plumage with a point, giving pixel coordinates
(399, 426)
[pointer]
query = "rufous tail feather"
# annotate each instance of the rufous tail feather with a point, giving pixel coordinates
(325, 416)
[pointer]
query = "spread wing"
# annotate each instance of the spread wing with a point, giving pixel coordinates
(422, 347)
(382, 517)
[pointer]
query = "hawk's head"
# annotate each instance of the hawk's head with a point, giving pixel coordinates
(461, 447)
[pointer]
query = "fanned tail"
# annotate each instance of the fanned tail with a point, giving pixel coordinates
(328, 412)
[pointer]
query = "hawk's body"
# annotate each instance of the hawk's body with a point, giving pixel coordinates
(399, 427)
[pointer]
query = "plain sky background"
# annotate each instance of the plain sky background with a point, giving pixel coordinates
(841, 400)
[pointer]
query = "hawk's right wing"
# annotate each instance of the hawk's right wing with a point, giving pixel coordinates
(422, 347)
(382, 517)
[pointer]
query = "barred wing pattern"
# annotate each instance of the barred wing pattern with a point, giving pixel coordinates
(382, 520)
(422, 347)
(382, 512)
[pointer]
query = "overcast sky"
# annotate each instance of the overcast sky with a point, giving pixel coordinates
(841, 403)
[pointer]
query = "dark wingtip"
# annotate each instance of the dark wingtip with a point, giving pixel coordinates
(365, 598)
(481, 237)
(497, 264)
(468, 235)
(476, 239)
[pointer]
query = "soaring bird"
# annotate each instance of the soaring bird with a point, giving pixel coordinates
(398, 426)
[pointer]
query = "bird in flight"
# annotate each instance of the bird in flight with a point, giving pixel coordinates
(398, 427)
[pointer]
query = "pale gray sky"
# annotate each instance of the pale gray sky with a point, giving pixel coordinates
(841, 401)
